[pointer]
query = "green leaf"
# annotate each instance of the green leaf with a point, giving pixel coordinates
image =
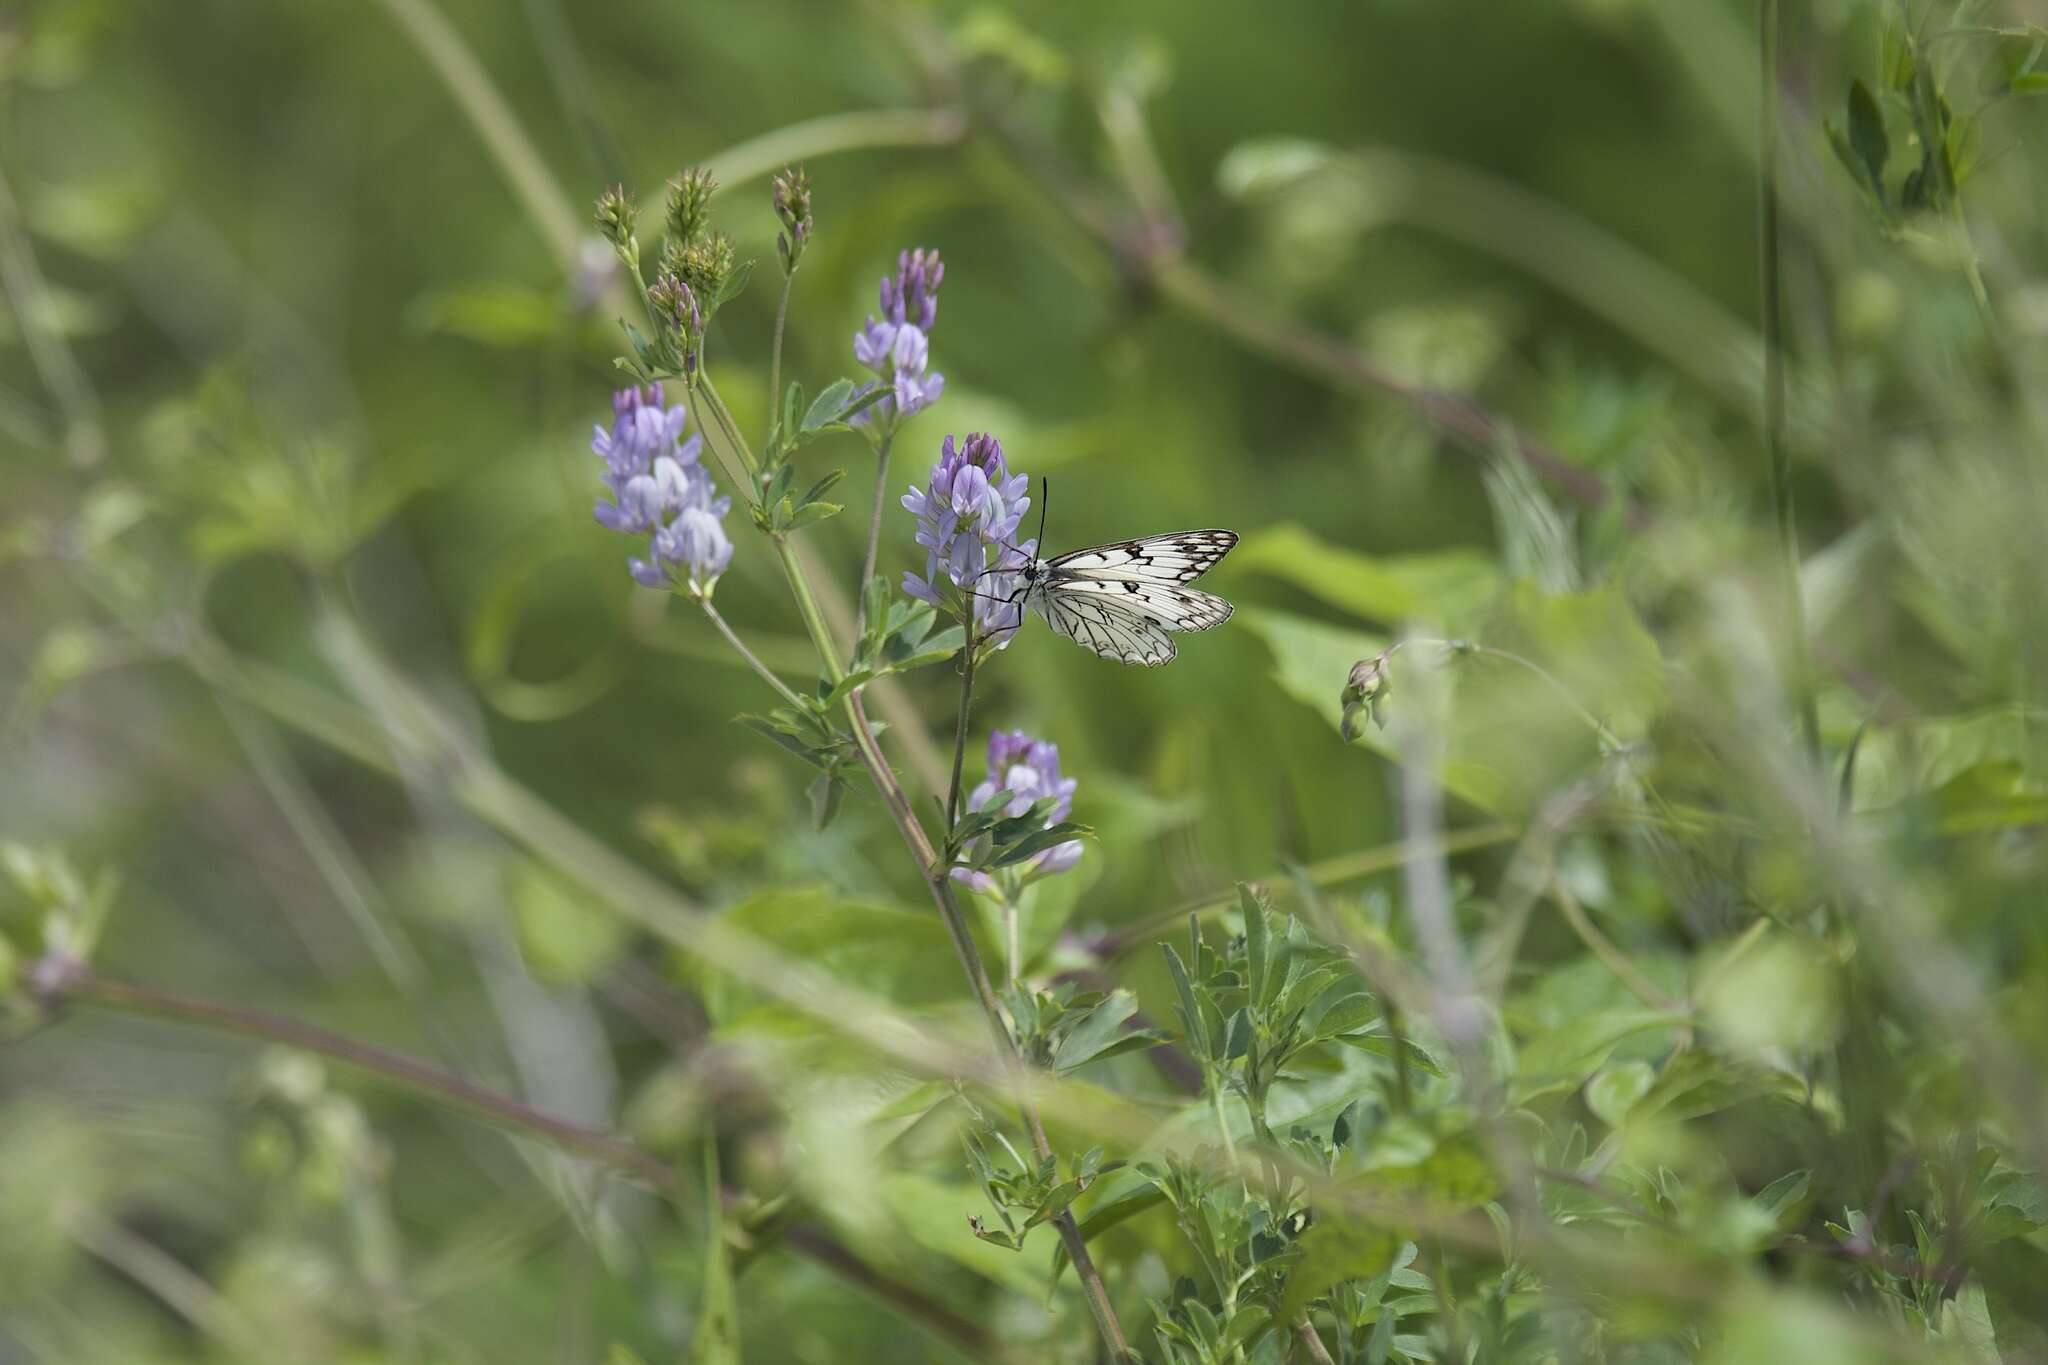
(1253, 900)
(820, 488)
(1034, 844)
(1332, 1251)
(735, 285)
(1867, 136)
(1253, 168)
(1782, 1199)
(826, 794)
(826, 408)
(862, 404)
(792, 404)
(1010, 828)
(566, 938)
(1568, 1055)
(811, 513)
(1244, 1327)
(899, 954)
(1615, 1088)
(934, 650)
(1190, 1012)
(1097, 1029)
(1451, 588)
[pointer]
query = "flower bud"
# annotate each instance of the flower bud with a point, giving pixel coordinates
(1363, 691)
(689, 204)
(791, 193)
(705, 265)
(616, 217)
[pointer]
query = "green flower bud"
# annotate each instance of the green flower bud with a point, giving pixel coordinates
(616, 217)
(689, 205)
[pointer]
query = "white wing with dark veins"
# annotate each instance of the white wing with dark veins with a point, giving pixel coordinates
(1109, 628)
(1176, 608)
(1180, 557)
(1120, 600)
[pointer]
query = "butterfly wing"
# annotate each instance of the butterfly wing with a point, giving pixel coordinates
(1174, 559)
(1174, 607)
(1108, 627)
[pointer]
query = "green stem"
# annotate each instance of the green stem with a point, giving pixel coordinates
(518, 160)
(1770, 290)
(775, 351)
(807, 607)
(867, 563)
(723, 415)
(1603, 948)
(734, 640)
(834, 133)
(1404, 1085)
(960, 727)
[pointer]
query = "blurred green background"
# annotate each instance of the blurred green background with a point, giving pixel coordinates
(307, 334)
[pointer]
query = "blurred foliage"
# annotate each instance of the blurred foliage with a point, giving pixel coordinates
(1467, 958)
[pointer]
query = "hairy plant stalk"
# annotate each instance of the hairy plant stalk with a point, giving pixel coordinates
(960, 730)
(775, 351)
(782, 689)
(867, 563)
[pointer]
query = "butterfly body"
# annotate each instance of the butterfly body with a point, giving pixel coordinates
(1121, 600)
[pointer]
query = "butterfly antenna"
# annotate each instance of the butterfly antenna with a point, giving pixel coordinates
(1044, 501)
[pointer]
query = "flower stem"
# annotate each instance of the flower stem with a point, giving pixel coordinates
(867, 563)
(960, 728)
(734, 640)
(775, 352)
(1770, 289)
(729, 427)
(807, 607)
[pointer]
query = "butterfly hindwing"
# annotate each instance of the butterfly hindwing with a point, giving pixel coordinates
(1175, 608)
(1109, 628)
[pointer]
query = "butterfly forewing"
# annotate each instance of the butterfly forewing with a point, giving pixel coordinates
(1180, 557)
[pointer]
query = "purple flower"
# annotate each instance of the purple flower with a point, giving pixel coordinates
(968, 514)
(897, 345)
(1029, 769)
(661, 490)
(913, 296)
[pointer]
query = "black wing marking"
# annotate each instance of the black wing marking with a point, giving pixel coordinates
(1180, 557)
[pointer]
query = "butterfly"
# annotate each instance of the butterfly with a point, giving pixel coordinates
(1121, 599)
